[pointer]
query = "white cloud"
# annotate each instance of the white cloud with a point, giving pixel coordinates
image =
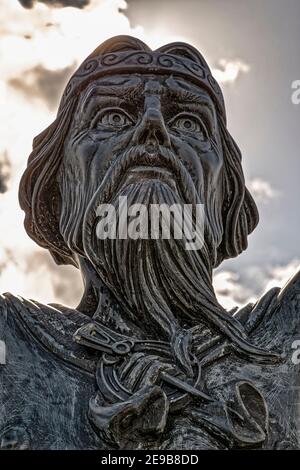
(237, 289)
(229, 70)
(230, 291)
(279, 275)
(262, 190)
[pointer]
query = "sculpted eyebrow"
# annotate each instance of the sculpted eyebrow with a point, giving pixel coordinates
(195, 101)
(186, 96)
(109, 92)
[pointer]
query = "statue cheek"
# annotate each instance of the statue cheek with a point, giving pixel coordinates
(84, 154)
(213, 162)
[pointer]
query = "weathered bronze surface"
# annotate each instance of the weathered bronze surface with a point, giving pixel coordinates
(149, 359)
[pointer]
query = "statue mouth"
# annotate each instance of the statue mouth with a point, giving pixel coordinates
(140, 173)
(136, 167)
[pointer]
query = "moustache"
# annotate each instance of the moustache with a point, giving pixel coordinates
(111, 184)
(138, 156)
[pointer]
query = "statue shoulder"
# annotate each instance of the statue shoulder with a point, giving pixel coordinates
(10, 306)
(4, 312)
(11, 309)
(9, 331)
(275, 317)
(53, 327)
(291, 290)
(3, 321)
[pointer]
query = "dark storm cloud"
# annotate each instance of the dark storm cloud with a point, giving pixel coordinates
(56, 3)
(5, 172)
(40, 83)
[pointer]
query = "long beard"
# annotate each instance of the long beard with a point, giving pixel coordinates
(159, 283)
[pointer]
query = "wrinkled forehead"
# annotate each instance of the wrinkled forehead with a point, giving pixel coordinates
(134, 88)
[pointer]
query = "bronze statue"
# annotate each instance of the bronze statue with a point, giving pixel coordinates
(149, 359)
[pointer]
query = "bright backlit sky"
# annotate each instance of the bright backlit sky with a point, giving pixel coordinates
(253, 49)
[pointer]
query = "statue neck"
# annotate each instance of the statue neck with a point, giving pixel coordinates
(99, 302)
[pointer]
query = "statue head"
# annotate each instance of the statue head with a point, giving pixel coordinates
(151, 126)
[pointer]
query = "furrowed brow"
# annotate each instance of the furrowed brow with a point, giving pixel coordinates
(187, 96)
(126, 92)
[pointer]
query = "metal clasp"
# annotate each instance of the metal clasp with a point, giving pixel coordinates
(94, 336)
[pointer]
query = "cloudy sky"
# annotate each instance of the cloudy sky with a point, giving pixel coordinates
(252, 47)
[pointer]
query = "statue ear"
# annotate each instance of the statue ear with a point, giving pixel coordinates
(239, 212)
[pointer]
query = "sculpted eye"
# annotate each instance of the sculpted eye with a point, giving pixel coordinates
(113, 118)
(190, 124)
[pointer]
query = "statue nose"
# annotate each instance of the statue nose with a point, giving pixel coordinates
(152, 130)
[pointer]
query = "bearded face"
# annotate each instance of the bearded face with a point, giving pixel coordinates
(155, 140)
(153, 129)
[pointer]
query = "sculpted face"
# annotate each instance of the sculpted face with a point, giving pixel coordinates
(151, 126)
(119, 113)
(154, 139)
(162, 129)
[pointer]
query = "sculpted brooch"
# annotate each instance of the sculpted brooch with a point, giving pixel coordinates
(140, 386)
